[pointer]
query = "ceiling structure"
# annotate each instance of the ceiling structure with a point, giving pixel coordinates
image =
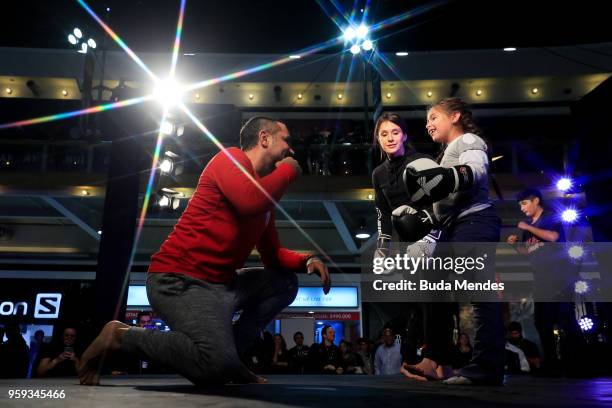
(277, 26)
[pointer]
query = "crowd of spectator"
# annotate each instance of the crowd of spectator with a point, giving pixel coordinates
(59, 357)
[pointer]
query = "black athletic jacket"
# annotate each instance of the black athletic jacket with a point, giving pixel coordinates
(390, 192)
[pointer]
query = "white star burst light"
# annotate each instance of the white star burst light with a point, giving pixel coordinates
(168, 92)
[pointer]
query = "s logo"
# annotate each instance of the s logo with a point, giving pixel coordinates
(47, 305)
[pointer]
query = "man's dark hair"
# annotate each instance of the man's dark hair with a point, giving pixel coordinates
(296, 334)
(249, 134)
(530, 194)
(515, 326)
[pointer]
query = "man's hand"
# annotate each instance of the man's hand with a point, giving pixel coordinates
(292, 162)
(339, 370)
(522, 225)
(512, 239)
(315, 265)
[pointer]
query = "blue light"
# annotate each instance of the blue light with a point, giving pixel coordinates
(564, 184)
(581, 287)
(349, 34)
(362, 31)
(586, 323)
(575, 251)
(569, 215)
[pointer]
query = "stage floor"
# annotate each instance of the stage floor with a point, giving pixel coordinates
(313, 391)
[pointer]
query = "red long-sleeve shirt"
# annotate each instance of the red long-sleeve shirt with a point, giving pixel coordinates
(225, 219)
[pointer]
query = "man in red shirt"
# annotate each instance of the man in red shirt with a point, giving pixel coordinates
(194, 283)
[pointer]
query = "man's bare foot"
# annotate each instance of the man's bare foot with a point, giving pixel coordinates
(426, 370)
(404, 370)
(108, 340)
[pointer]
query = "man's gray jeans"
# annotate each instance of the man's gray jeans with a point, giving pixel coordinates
(204, 345)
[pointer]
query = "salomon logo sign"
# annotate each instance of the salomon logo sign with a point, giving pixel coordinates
(47, 305)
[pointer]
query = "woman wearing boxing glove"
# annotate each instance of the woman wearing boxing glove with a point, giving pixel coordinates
(412, 220)
(393, 205)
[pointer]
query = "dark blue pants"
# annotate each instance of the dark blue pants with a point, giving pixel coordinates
(487, 364)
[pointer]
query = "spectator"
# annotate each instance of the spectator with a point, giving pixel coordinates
(145, 320)
(388, 359)
(35, 346)
(325, 358)
(279, 364)
(366, 356)
(15, 358)
(515, 338)
(351, 362)
(60, 358)
(298, 355)
(462, 354)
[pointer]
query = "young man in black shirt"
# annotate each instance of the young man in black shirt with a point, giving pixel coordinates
(298, 355)
(553, 275)
(325, 358)
(515, 337)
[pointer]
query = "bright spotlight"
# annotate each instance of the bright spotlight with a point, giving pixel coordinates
(569, 216)
(78, 33)
(83, 49)
(355, 49)
(166, 166)
(586, 323)
(167, 128)
(180, 131)
(564, 184)
(164, 201)
(168, 92)
(581, 287)
(349, 34)
(575, 251)
(72, 39)
(362, 31)
(367, 45)
(362, 235)
(92, 43)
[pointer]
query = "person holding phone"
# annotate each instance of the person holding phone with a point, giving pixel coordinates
(60, 359)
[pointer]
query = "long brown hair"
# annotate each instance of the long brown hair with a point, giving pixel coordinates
(466, 121)
(396, 120)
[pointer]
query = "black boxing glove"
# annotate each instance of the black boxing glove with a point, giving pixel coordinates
(412, 224)
(428, 182)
